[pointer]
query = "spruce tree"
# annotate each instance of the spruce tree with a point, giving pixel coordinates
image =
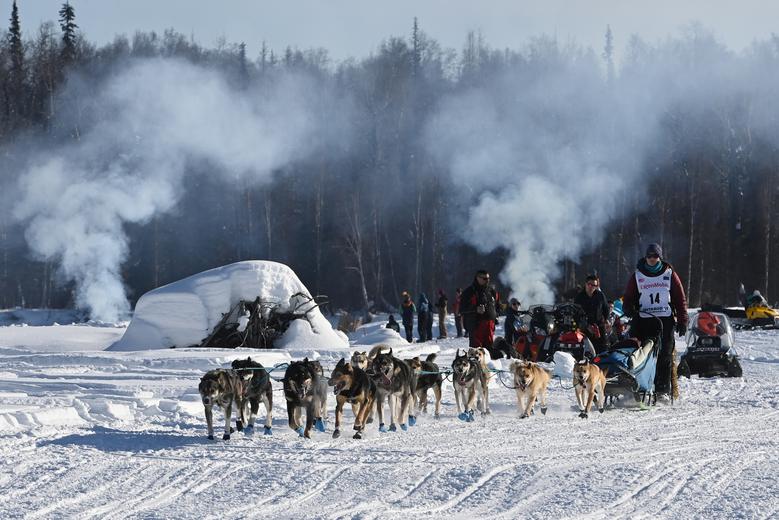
(68, 25)
(15, 103)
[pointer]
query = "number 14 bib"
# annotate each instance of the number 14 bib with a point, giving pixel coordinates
(655, 293)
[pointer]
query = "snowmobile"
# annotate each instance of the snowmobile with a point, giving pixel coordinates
(759, 313)
(535, 334)
(570, 321)
(710, 351)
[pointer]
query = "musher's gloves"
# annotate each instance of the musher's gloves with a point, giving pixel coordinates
(681, 329)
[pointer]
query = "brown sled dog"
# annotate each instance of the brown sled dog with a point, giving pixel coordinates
(221, 388)
(530, 382)
(589, 378)
(352, 385)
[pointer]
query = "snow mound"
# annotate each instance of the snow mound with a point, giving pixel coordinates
(379, 336)
(183, 313)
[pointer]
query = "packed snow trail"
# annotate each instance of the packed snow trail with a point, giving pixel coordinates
(96, 434)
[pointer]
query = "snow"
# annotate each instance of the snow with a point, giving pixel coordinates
(184, 313)
(95, 433)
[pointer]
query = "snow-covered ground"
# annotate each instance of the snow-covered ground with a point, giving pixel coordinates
(91, 433)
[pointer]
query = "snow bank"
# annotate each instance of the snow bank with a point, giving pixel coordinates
(183, 313)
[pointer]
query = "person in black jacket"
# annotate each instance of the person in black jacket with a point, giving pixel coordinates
(423, 316)
(392, 324)
(512, 322)
(478, 305)
(407, 311)
(596, 306)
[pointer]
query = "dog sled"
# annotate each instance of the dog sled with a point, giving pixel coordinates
(631, 367)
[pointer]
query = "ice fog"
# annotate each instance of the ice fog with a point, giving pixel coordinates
(541, 153)
(160, 117)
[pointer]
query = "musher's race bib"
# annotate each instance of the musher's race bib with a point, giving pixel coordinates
(654, 294)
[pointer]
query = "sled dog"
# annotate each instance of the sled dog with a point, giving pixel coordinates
(589, 378)
(469, 383)
(530, 382)
(258, 390)
(352, 385)
(221, 388)
(360, 360)
(427, 381)
(482, 356)
(393, 380)
(378, 349)
(305, 387)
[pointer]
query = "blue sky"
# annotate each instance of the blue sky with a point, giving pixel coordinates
(356, 27)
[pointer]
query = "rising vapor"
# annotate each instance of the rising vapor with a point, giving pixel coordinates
(158, 118)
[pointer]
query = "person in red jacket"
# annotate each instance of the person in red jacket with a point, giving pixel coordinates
(656, 291)
(479, 308)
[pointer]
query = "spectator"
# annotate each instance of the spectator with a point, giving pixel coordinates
(512, 322)
(407, 311)
(478, 306)
(458, 317)
(596, 307)
(392, 324)
(423, 315)
(442, 311)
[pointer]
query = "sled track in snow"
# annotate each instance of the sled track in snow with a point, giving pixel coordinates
(714, 454)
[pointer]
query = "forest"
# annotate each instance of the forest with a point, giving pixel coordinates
(136, 163)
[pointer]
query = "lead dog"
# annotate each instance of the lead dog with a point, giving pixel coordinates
(393, 380)
(352, 385)
(258, 390)
(221, 388)
(530, 381)
(589, 378)
(469, 383)
(305, 387)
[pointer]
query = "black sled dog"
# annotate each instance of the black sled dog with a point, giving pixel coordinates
(305, 387)
(259, 390)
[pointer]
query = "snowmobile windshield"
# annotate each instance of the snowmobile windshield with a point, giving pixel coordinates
(711, 325)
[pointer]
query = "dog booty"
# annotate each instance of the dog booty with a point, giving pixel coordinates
(300, 431)
(404, 427)
(382, 428)
(393, 428)
(320, 424)
(463, 416)
(268, 430)
(412, 420)
(469, 418)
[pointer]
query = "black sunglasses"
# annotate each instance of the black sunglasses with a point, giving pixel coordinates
(653, 256)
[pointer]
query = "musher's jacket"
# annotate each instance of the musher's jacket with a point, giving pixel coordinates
(660, 294)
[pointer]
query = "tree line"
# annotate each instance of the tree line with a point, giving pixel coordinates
(384, 215)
